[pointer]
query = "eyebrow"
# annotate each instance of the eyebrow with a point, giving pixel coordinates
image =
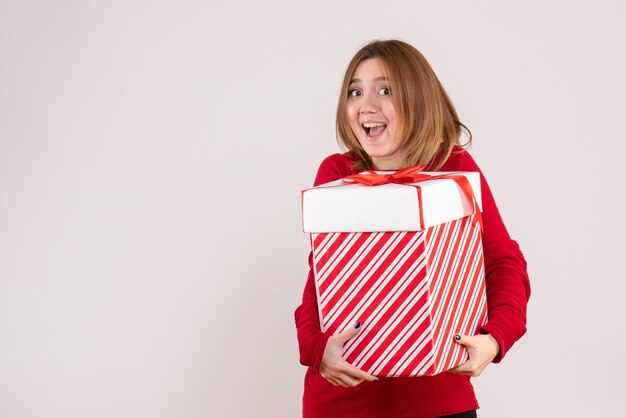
(358, 80)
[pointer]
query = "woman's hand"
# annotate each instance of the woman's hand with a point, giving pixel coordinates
(335, 369)
(482, 349)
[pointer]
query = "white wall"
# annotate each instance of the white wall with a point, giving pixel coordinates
(151, 157)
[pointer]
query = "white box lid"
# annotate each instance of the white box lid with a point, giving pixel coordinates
(342, 207)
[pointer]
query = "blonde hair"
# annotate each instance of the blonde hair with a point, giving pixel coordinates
(428, 122)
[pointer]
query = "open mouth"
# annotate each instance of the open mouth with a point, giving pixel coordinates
(374, 129)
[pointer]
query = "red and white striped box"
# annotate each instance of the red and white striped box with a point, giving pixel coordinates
(406, 261)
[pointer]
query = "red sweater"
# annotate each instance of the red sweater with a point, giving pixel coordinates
(508, 290)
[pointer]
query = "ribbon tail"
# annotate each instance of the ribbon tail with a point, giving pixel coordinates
(469, 192)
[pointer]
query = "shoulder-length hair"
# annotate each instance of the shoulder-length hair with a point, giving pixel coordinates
(428, 122)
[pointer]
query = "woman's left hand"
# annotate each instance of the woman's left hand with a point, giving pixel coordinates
(482, 349)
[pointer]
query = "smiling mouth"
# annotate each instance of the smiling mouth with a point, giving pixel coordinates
(373, 130)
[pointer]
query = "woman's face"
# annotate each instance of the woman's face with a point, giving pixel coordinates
(372, 116)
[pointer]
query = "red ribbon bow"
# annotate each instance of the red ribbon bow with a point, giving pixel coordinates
(404, 176)
(411, 175)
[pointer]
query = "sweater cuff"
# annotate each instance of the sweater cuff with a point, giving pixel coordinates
(505, 337)
(498, 337)
(318, 354)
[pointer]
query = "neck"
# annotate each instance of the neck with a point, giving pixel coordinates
(384, 165)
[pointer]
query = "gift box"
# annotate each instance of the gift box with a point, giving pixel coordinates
(400, 252)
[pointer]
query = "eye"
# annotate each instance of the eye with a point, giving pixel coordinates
(384, 91)
(354, 93)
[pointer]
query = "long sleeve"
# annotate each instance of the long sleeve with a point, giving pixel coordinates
(311, 340)
(506, 278)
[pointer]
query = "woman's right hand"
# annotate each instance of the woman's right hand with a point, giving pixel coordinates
(335, 369)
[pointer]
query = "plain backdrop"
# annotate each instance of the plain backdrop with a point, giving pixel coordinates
(151, 158)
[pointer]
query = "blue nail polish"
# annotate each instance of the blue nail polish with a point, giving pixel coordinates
(376, 380)
(357, 325)
(457, 337)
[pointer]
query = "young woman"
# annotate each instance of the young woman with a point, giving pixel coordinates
(394, 113)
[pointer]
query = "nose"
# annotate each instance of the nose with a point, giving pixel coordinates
(369, 104)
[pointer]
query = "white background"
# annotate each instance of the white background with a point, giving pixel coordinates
(151, 158)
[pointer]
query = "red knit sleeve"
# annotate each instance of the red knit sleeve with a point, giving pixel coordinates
(506, 277)
(311, 340)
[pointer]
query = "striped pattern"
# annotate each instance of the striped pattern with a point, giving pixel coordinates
(411, 290)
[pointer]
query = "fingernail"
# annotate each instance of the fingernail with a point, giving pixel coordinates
(457, 337)
(357, 325)
(376, 380)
